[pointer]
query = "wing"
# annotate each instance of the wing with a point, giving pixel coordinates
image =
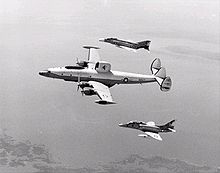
(127, 48)
(103, 93)
(93, 56)
(154, 135)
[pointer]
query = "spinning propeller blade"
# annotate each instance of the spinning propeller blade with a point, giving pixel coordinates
(78, 83)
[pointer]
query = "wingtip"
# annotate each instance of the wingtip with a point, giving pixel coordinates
(104, 102)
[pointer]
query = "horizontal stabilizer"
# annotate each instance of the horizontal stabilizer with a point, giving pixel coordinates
(172, 130)
(161, 73)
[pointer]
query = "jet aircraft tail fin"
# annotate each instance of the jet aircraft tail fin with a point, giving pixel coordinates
(168, 126)
(160, 75)
(144, 44)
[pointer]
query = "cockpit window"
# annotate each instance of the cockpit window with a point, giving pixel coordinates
(74, 67)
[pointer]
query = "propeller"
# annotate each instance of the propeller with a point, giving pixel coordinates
(78, 81)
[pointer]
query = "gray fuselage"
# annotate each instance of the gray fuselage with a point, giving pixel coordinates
(144, 127)
(118, 42)
(107, 78)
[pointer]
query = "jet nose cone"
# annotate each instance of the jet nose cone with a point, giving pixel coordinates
(101, 39)
(121, 125)
(43, 73)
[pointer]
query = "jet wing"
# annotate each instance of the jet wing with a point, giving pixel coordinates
(154, 135)
(102, 92)
(93, 56)
(127, 48)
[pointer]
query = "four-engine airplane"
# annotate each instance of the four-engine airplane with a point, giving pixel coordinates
(150, 128)
(129, 45)
(95, 77)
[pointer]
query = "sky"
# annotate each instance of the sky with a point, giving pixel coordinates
(37, 34)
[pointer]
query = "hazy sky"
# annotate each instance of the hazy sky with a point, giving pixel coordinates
(38, 34)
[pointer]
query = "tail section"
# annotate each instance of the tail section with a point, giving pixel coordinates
(144, 44)
(160, 75)
(168, 127)
(155, 66)
(169, 124)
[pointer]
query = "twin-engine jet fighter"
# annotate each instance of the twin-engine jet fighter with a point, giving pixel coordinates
(150, 128)
(128, 45)
(95, 77)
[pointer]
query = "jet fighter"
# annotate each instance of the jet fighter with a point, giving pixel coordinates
(95, 77)
(150, 128)
(128, 45)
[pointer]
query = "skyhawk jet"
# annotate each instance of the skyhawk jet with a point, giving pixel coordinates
(95, 77)
(129, 45)
(150, 128)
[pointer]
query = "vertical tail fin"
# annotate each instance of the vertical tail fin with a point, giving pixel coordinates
(155, 66)
(168, 127)
(169, 124)
(160, 75)
(144, 44)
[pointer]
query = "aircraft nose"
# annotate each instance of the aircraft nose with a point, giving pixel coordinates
(101, 39)
(44, 72)
(122, 125)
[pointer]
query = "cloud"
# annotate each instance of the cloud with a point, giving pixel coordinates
(25, 156)
(193, 52)
(15, 154)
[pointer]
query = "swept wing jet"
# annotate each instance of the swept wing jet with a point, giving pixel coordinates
(129, 45)
(150, 128)
(95, 77)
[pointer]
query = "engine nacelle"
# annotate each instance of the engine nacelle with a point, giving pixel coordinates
(102, 67)
(88, 92)
(104, 102)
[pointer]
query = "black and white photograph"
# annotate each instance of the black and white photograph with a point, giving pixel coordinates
(109, 86)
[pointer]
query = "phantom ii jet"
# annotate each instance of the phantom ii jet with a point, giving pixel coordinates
(95, 77)
(129, 45)
(150, 129)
